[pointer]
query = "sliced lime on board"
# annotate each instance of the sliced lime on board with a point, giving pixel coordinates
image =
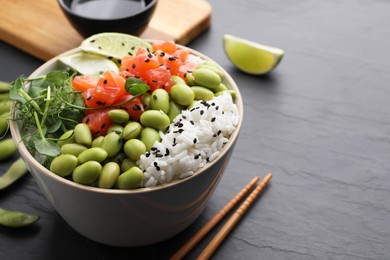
(251, 57)
(114, 45)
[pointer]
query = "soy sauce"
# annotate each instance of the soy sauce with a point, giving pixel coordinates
(107, 9)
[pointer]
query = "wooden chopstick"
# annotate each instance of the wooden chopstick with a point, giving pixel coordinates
(225, 230)
(187, 247)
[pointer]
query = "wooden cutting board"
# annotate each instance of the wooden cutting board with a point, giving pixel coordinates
(42, 30)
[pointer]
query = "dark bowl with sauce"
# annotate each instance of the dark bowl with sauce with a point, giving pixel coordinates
(90, 17)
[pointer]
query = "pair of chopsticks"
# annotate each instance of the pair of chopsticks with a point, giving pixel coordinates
(230, 224)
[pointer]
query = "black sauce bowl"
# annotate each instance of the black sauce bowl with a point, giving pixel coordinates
(135, 23)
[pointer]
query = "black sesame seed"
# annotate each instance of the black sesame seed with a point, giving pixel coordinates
(201, 112)
(89, 98)
(166, 152)
(155, 164)
(159, 155)
(87, 121)
(155, 97)
(213, 119)
(137, 107)
(153, 148)
(110, 57)
(123, 44)
(147, 154)
(97, 132)
(172, 58)
(195, 140)
(158, 168)
(150, 55)
(105, 81)
(154, 80)
(129, 53)
(99, 47)
(103, 126)
(147, 60)
(219, 132)
(174, 140)
(92, 41)
(99, 103)
(133, 65)
(133, 48)
(192, 122)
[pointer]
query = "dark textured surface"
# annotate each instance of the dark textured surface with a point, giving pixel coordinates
(319, 123)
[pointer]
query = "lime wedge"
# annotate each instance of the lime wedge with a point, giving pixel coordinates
(115, 45)
(250, 57)
(88, 63)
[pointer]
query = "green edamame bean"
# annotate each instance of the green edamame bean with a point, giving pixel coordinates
(17, 170)
(73, 149)
(118, 116)
(115, 128)
(182, 94)
(221, 87)
(7, 148)
(64, 164)
(109, 175)
(149, 136)
(87, 173)
(156, 119)
(4, 123)
(127, 164)
(4, 87)
(16, 219)
(134, 148)
(112, 144)
(146, 100)
(131, 130)
(190, 79)
(207, 78)
(66, 138)
(160, 100)
(212, 66)
(174, 110)
(4, 97)
(82, 134)
(202, 93)
(5, 106)
(176, 80)
(130, 179)
(93, 154)
(231, 92)
(97, 142)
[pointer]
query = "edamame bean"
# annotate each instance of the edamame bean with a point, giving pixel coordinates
(221, 87)
(190, 79)
(4, 123)
(231, 92)
(206, 78)
(127, 164)
(149, 136)
(64, 164)
(82, 134)
(73, 149)
(7, 148)
(17, 170)
(160, 100)
(118, 116)
(4, 87)
(97, 142)
(176, 79)
(212, 66)
(16, 219)
(156, 119)
(202, 93)
(4, 97)
(146, 100)
(5, 106)
(93, 154)
(134, 148)
(112, 144)
(66, 138)
(109, 175)
(174, 110)
(87, 173)
(130, 179)
(182, 94)
(131, 130)
(115, 128)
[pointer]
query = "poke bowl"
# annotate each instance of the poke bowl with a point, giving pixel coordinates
(180, 171)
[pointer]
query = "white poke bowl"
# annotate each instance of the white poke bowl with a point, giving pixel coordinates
(137, 217)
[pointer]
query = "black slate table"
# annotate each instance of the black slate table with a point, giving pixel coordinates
(320, 123)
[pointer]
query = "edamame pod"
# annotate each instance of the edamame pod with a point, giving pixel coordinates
(160, 100)
(16, 219)
(64, 164)
(87, 173)
(109, 175)
(82, 134)
(17, 170)
(130, 179)
(7, 148)
(155, 119)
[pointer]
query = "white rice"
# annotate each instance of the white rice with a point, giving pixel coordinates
(195, 138)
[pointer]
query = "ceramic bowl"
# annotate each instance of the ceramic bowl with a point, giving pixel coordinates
(136, 217)
(130, 21)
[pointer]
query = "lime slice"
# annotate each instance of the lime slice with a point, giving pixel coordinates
(115, 45)
(88, 63)
(250, 57)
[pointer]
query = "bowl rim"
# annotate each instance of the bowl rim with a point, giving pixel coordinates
(151, 5)
(25, 154)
